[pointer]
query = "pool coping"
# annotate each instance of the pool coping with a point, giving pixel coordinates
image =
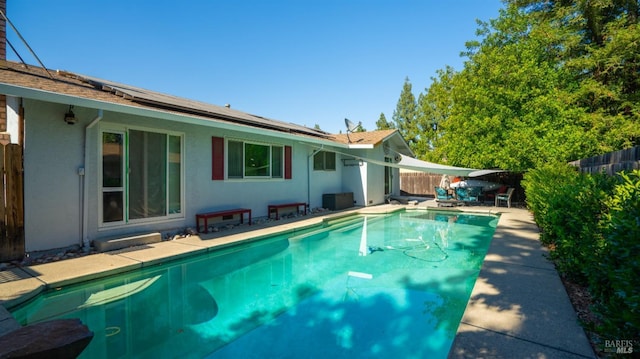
(501, 319)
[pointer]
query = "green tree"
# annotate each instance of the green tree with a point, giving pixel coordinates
(604, 58)
(383, 124)
(509, 108)
(434, 107)
(548, 81)
(405, 113)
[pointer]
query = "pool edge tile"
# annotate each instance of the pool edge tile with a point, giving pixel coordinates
(76, 270)
(18, 286)
(162, 252)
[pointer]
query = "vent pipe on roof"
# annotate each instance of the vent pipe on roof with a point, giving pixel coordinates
(227, 105)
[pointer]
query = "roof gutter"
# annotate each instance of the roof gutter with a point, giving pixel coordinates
(84, 221)
(41, 95)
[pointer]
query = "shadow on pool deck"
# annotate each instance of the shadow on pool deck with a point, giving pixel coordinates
(518, 308)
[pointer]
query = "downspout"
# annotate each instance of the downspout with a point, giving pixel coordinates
(309, 175)
(85, 243)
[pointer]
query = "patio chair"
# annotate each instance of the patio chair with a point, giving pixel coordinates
(468, 194)
(442, 194)
(491, 196)
(475, 193)
(505, 197)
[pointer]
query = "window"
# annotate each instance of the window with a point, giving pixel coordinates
(112, 177)
(250, 160)
(141, 175)
(324, 161)
(277, 153)
(257, 160)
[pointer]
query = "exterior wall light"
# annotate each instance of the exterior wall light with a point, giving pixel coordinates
(70, 117)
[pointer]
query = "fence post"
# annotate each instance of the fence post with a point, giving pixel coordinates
(12, 244)
(3, 201)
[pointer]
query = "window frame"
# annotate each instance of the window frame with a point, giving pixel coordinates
(243, 160)
(169, 162)
(323, 163)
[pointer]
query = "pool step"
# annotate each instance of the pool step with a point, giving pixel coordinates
(7, 322)
(104, 245)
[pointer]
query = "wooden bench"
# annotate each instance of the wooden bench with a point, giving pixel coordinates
(228, 212)
(276, 207)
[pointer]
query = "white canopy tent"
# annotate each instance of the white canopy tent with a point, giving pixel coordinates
(410, 163)
(415, 164)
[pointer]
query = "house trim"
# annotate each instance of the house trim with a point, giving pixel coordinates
(53, 97)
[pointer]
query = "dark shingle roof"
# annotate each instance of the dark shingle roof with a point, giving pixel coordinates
(71, 84)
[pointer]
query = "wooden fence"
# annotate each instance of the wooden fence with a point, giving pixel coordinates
(423, 184)
(419, 183)
(11, 203)
(611, 163)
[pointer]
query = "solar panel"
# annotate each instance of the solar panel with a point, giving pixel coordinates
(169, 102)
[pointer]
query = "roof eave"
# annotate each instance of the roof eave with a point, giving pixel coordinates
(360, 146)
(401, 142)
(54, 97)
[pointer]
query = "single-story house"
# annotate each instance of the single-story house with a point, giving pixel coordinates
(103, 159)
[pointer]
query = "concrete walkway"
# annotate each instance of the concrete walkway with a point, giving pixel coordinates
(518, 308)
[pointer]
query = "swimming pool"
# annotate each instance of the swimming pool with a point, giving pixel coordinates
(366, 286)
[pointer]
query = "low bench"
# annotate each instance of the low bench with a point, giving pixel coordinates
(228, 212)
(276, 207)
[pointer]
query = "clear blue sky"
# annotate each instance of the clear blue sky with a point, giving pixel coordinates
(306, 61)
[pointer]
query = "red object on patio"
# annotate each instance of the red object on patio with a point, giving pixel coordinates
(229, 212)
(276, 207)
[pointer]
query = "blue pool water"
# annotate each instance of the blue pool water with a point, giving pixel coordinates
(375, 286)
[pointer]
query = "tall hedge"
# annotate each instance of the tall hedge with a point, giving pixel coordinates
(591, 224)
(567, 207)
(615, 280)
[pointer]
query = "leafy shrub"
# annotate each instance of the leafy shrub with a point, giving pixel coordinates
(542, 192)
(567, 206)
(592, 225)
(615, 280)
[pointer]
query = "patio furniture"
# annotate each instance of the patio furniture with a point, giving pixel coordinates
(276, 207)
(468, 194)
(442, 194)
(505, 197)
(491, 196)
(225, 214)
(337, 201)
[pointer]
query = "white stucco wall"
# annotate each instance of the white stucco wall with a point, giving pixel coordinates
(322, 182)
(53, 187)
(367, 181)
(13, 118)
(354, 180)
(52, 156)
(375, 175)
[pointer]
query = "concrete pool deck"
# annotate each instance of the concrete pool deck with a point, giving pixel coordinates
(518, 308)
